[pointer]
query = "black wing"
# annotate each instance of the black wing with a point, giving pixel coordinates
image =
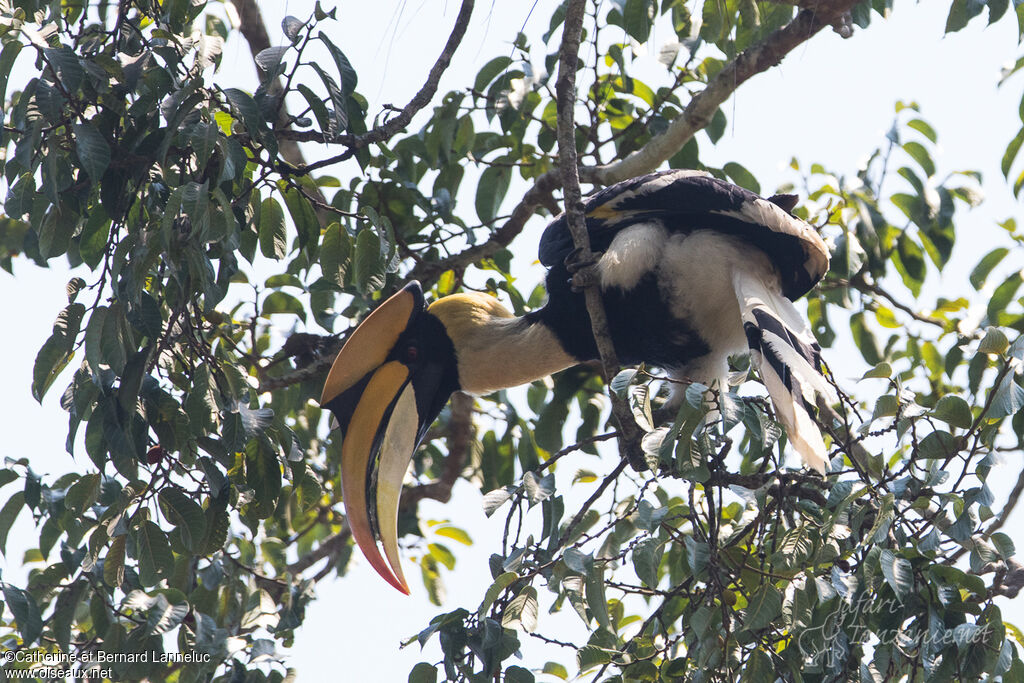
(685, 201)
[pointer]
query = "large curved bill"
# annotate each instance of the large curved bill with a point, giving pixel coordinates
(359, 453)
(396, 450)
(367, 348)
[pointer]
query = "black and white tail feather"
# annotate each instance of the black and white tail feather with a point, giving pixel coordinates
(784, 351)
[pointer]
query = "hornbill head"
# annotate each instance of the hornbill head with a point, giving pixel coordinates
(388, 383)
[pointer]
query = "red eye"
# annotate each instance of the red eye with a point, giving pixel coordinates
(411, 353)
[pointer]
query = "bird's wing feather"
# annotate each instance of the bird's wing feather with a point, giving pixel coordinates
(789, 360)
(684, 201)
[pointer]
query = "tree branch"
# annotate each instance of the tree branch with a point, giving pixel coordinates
(696, 116)
(565, 94)
(426, 93)
(327, 548)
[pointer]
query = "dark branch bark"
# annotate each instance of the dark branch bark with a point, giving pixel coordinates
(565, 93)
(426, 93)
(328, 548)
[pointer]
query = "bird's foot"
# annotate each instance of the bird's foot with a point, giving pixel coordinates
(583, 270)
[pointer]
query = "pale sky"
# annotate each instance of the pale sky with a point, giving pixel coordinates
(830, 101)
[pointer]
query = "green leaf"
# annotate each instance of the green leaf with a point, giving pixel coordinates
(1003, 295)
(162, 616)
(113, 565)
(985, 266)
(489, 72)
(281, 302)
(368, 266)
(994, 342)
(263, 475)
(92, 243)
(65, 62)
(646, 558)
(924, 129)
(154, 553)
(491, 190)
(339, 116)
(185, 514)
(248, 112)
(864, 339)
(640, 405)
(1008, 399)
(217, 522)
(522, 611)
(92, 149)
(764, 606)
(919, 154)
(881, 371)
(8, 514)
(1003, 544)
(303, 216)
(336, 253)
(8, 55)
(954, 411)
(620, 383)
(596, 601)
(83, 493)
(454, 533)
(492, 500)
(1012, 150)
(517, 674)
(273, 233)
(742, 177)
(898, 572)
(64, 612)
(423, 673)
(442, 554)
(269, 59)
(938, 445)
(26, 613)
(317, 106)
(57, 351)
(346, 72)
(503, 581)
(961, 12)
(636, 19)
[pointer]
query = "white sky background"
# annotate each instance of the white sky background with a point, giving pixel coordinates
(831, 101)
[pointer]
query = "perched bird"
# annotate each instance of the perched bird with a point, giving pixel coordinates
(691, 270)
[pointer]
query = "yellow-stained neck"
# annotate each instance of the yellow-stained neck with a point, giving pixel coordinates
(494, 349)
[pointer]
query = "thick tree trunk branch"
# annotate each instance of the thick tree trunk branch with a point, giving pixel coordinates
(697, 115)
(565, 93)
(815, 16)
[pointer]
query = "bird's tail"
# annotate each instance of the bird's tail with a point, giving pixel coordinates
(789, 361)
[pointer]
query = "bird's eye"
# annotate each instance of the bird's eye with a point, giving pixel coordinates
(411, 353)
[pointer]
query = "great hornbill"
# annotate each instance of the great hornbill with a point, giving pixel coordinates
(692, 269)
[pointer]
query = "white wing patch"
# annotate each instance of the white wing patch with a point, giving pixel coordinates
(785, 353)
(633, 253)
